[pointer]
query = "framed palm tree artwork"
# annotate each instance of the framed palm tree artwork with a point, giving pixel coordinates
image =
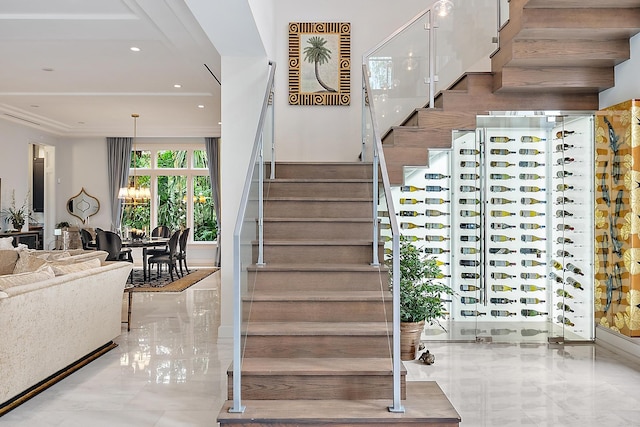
(319, 63)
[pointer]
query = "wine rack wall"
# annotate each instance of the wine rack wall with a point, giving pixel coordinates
(509, 212)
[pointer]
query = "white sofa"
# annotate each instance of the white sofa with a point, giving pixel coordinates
(47, 325)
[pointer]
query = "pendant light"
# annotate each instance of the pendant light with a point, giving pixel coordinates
(443, 7)
(134, 194)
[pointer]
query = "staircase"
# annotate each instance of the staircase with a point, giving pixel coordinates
(317, 347)
(554, 55)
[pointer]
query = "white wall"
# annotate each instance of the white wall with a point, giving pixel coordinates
(627, 82)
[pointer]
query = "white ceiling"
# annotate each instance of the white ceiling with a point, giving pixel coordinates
(96, 81)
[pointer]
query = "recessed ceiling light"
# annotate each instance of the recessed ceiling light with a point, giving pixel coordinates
(200, 106)
(47, 69)
(177, 86)
(80, 123)
(34, 106)
(134, 49)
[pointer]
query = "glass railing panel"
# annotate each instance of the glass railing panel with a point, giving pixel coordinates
(503, 12)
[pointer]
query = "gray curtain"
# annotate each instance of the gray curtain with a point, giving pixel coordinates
(212, 145)
(118, 161)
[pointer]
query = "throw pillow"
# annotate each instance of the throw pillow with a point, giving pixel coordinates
(10, 280)
(28, 262)
(60, 269)
(8, 259)
(6, 243)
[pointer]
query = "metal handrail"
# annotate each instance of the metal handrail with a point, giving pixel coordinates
(256, 155)
(380, 163)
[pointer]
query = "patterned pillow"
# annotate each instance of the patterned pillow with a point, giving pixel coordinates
(10, 280)
(28, 262)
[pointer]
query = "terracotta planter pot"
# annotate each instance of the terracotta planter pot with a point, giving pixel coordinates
(410, 339)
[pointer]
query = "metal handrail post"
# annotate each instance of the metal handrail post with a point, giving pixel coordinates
(432, 60)
(237, 303)
(376, 261)
(260, 260)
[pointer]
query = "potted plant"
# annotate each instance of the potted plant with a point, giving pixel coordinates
(17, 216)
(420, 296)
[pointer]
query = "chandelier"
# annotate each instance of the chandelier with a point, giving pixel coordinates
(134, 193)
(443, 7)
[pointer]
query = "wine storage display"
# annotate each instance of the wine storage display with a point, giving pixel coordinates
(509, 213)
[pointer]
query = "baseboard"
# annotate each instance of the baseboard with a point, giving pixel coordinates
(618, 343)
(51, 380)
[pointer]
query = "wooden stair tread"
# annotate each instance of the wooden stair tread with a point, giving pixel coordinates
(318, 199)
(318, 328)
(319, 296)
(307, 219)
(316, 242)
(317, 366)
(317, 267)
(425, 404)
(317, 180)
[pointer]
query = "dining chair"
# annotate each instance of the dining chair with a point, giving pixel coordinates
(111, 243)
(170, 258)
(182, 251)
(86, 239)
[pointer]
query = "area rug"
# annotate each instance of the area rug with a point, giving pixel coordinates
(164, 283)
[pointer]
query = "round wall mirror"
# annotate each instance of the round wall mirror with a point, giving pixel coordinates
(83, 205)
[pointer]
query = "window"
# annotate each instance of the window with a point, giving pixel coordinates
(180, 188)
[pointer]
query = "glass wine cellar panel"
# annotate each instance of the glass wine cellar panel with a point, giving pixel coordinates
(508, 210)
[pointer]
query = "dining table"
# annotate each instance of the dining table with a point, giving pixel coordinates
(145, 243)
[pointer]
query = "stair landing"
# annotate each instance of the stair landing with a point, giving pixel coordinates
(425, 405)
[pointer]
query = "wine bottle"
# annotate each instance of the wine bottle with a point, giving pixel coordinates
(469, 226)
(500, 139)
(471, 313)
(560, 213)
(497, 275)
(501, 226)
(468, 164)
(435, 251)
(469, 238)
(531, 238)
(500, 263)
(531, 263)
(601, 176)
(501, 151)
(564, 174)
(565, 307)
(528, 332)
(435, 188)
(404, 201)
(501, 201)
(562, 227)
(469, 300)
(435, 176)
(433, 225)
(431, 238)
(502, 288)
(564, 294)
(469, 152)
(500, 188)
(502, 313)
(468, 188)
(561, 200)
(501, 251)
(531, 201)
(564, 187)
(530, 214)
(469, 201)
(563, 147)
(530, 151)
(575, 270)
(470, 275)
(502, 301)
(503, 176)
(501, 238)
(434, 212)
(528, 138)
(530, 226)
(472, 176)
(469, 251)
(564, 240)
(530, 176)
(527, 164)
(409, 213)
(565, 160)
(531, 288)
(469, 288)
(563, 254)
(524, 300)
(469, 263)
(530, 189)
(553, 276)
(467, 213)
(562, 134)
(565, 321)
(501, 164)
(555, 264)
(573, 282)
(527, 312)
(384, 226)
(530, 251)
(410, 189)
(435, 201)
(528, 276)
(437, 276)
(501, 213)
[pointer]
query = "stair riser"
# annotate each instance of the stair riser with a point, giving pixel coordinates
(322, 171)
(318, 311)
(314, 387)
(317, 209)
(316, 346)
(318, 254)
(306, 230)
(318, 281)
(319, 189)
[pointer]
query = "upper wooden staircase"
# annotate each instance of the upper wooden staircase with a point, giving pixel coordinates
(554, 55)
